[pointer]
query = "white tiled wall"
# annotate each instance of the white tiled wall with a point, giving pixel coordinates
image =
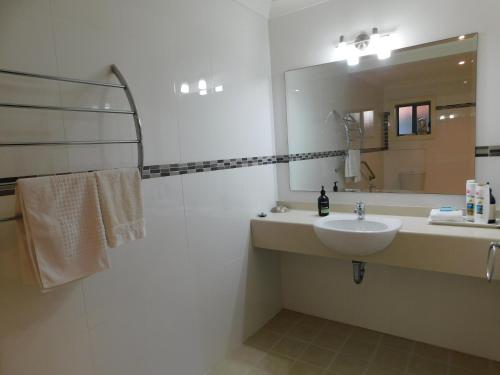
(176, 301)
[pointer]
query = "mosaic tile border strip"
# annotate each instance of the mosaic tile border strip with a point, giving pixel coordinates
(455, 106)
(165, 170)
(7, 184)
(485, 151)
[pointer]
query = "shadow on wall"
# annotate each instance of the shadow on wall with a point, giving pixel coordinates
(24, 306)
(251, 309)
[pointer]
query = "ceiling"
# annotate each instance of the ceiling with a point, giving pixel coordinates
(438, 70)
(282, 7)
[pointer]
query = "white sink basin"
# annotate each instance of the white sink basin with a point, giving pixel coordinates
(345, 234)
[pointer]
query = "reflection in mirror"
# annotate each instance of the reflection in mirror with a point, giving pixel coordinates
(405, 124)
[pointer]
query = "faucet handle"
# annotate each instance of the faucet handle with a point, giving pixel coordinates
(359, 209)
(359, 205)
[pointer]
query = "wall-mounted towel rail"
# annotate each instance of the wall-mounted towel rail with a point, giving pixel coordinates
(121, 85)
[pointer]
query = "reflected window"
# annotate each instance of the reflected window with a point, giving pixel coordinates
(413, 118)
(366, 119)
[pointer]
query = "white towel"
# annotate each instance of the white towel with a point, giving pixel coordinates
(455, 216)
(121, 205)
(62, 235)
(353, 164)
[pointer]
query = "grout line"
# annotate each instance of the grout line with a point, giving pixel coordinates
(339, 350)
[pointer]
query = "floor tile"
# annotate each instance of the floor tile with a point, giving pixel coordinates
(387, 358)
(329, 340)
(279, 325)
(495, 368)
(230, 367)
(288, 347)
(304, 332)
(376, 370)
(258, 371)
(460, 371)
(469, 362)
(432, 352)
(297, 344)
(424, 366)
(300, 368)
(263, 340)
(366, 335)
(347, 365)
(359, 349)
(276, 365)
(290, 315)
(338, 328)
(398, 343)
(317, 356)
(314, 321)
(248, 355)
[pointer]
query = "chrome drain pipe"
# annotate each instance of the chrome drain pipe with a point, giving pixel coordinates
(358, 271)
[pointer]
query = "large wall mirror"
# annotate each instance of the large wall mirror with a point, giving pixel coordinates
(405, 124)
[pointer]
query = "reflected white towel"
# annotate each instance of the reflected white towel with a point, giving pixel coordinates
(353, 164)
(121, 205)
(62, 235)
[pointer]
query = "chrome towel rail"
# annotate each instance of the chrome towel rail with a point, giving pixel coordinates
(121, 85)
(63, 79)
(69, 109)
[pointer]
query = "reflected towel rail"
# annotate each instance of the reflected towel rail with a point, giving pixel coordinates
(121, 85)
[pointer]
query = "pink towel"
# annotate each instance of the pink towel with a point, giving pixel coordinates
(62, 235)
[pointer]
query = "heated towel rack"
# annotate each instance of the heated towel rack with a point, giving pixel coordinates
(131, 112)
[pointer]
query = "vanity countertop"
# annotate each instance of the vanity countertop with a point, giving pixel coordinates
(411, 224)
(418, 244)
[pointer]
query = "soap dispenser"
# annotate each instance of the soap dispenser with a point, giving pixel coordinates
(335, 187)
(323, 203)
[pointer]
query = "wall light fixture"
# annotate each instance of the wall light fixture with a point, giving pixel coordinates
(364, 44)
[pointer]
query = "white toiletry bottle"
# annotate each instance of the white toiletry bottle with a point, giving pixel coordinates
(482, 203)
(470, 197)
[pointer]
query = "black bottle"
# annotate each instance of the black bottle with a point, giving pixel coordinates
(493, 208)
(323, 203)
(335, 187)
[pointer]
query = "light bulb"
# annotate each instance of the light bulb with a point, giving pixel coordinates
(352, 56)
(383, 49)
(353, 60)
(184, 88)
(384, 53)
(203, 92)
(202, 84)
(374, 40)
(452, 116)
(341, 50)
(461, 37)
(219, 88)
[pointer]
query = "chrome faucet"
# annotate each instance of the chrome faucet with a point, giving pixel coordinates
(359, 209)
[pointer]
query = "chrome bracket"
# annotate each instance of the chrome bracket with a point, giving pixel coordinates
(490, 262)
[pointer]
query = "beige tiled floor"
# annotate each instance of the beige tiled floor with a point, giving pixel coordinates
(297, 344)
